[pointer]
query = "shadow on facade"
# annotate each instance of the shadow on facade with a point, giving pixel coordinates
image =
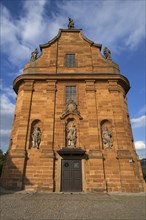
(12, 177)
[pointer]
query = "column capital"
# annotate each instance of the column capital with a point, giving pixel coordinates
(51, 85)
(90, 86)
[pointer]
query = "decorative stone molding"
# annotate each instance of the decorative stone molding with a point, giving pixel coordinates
(95, 154)
(17, 153)
(51, 87)
(71, 151)
(115, 87)
(71, 108)
(45, 153)
(124, 154)
(28, 85)
(90, 86)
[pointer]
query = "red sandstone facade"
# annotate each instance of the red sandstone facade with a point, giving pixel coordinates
(100, 102)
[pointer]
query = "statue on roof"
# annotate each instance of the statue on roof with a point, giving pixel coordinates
(34, 55)
(107, 53)
(70, 23)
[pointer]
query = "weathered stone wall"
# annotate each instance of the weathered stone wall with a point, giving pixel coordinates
(100, 98)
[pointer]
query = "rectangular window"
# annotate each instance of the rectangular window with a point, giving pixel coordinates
(70, 60)
(70, 93)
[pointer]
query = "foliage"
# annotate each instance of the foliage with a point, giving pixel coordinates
(143, 166)
(2, 160)
(144, 176)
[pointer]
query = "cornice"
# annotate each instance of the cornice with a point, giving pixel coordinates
(121, 80)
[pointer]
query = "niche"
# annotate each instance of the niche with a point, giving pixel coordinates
(71, 133)
(106, 134)
(35, 134)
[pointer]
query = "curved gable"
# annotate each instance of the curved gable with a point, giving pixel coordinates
(70, 30)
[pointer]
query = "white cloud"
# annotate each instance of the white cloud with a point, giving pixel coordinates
(109, 22)
(20, 36)
(139, 122)
(7, 107)
(5, 139)
(5, 133)
(6, 114)
(142, 110)
(139, 145)
(10, 39)
(8, 92)
(32, 23)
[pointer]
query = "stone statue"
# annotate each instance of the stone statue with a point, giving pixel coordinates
(36, 137)
(106, 138)
(71, 136)
(34, 55)
(107, 53)
(70, 23)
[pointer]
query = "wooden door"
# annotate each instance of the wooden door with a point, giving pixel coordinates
(71, 178)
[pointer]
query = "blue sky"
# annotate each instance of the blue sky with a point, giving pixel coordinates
(119, 25)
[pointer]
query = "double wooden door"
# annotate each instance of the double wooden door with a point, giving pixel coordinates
(71, 176)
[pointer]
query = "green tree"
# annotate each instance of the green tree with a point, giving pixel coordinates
(2, 160)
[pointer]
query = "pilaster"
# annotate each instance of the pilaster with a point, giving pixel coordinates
(22, 130)
(92, 114)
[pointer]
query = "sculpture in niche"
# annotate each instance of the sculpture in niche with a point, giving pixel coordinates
(106, 138)
(71, 136)
(34, 55)
(70, 23)
(107, 53)
(36, 137)
(71, 107)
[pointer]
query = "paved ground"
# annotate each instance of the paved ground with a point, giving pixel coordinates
(78, 206)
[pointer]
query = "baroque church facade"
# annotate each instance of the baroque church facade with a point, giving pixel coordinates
(71, 130)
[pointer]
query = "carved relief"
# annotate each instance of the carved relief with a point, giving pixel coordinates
(106, 134)
(35, 136)
(71, 133)
(71, 107)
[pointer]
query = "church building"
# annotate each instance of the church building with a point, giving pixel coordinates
(71, 130)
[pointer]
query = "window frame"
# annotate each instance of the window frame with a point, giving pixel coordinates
(70, 62)
(71, 92)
